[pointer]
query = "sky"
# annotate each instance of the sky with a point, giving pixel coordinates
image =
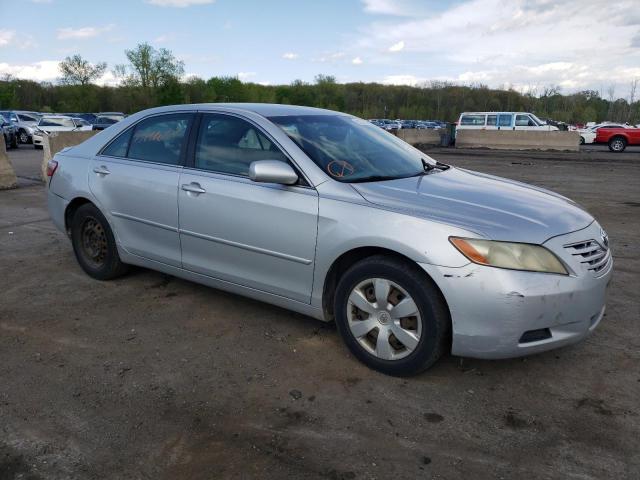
(524, 44)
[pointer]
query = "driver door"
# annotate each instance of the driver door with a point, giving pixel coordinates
(258, 235)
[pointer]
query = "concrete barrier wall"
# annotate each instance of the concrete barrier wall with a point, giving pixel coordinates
(518, 140)
(8, 177)
(55, 142)
(414, 136)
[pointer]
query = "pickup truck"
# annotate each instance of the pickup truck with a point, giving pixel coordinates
(618, 138)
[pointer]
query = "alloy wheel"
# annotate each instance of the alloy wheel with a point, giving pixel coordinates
(384, 319)
(617, 145)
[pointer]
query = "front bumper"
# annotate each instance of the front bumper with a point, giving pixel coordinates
(492, 308)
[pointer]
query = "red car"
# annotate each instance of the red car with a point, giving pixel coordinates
(618, 138)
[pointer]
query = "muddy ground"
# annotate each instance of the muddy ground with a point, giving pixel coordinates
(152, 377)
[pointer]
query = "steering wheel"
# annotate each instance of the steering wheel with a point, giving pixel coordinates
(340, 168)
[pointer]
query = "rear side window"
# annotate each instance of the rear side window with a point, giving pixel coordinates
(159, 139)
(477, 120)
(228, 144)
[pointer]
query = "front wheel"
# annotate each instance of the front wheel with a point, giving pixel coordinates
(582, 141)
(617, 144)
(23, 137)
(94, 244)
(392, 316)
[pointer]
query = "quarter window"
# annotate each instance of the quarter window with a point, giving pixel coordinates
(118, 148)
(229, 145)
(159, 139)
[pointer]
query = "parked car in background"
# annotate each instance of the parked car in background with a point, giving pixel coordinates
(618, 138)
(117, 116)
(9, 131)
(502, 121)
(588, 135)
(322, 213)
(58, 123)
(103, 122)
(24, 121)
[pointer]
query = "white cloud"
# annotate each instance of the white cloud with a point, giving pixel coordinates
(178, 3)
(397, 47)
(46, 70)
(330, 57)
(385, 7)
(6, 36)
(84, 32)
(290, 56)
(520, 42)
(403, 80)
(357, 61)
(245, 75)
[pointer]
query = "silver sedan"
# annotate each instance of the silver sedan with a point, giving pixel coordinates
(325, 214)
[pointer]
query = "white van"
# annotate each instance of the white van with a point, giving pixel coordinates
(502, 121)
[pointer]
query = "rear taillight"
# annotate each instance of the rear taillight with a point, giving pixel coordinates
(52, 166)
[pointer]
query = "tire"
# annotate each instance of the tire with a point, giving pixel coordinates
(617, 144)
(14, 142)
(23, 137)
(94, 244)
(582, 141)
(428, 329)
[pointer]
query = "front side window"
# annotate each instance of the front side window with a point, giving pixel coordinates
(350, 149)
(229, 145)
(159, 139)
(476, 120)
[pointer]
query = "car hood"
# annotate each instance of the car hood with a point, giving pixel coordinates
(498, 208)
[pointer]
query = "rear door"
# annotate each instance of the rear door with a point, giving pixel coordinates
(135, 180)
(258, 235)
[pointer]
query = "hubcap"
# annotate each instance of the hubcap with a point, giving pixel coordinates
(94, 242)
(23, 137)
(617, 145)
(384, 319)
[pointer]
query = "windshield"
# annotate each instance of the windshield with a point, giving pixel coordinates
(350, 149)
(540, 122)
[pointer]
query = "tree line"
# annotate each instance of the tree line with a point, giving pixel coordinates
(154, 77)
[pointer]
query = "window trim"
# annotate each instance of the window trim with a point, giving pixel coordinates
(303, 181)
(132, 128)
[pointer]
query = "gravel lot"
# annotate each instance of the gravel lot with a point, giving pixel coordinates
(154, 377)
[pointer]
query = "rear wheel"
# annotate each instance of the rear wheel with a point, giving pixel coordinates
(94, 244)
(581, 140)
(391, 316)
(617, 144)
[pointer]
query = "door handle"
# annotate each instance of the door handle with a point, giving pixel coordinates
(101, 170)
(193, 187)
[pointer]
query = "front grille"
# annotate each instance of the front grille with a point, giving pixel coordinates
(591, 253)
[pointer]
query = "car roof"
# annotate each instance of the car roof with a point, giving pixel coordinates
(56, 116)
(263, 109)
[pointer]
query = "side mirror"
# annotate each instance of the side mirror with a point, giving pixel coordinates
(272, 171)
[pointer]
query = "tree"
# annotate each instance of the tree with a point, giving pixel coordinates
(76, 70)
(151, 68)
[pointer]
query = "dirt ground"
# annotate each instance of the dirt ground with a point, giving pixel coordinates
(152, 377)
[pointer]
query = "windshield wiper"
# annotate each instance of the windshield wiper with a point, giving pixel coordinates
(376, 178)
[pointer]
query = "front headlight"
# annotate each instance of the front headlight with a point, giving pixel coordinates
(514, 256)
